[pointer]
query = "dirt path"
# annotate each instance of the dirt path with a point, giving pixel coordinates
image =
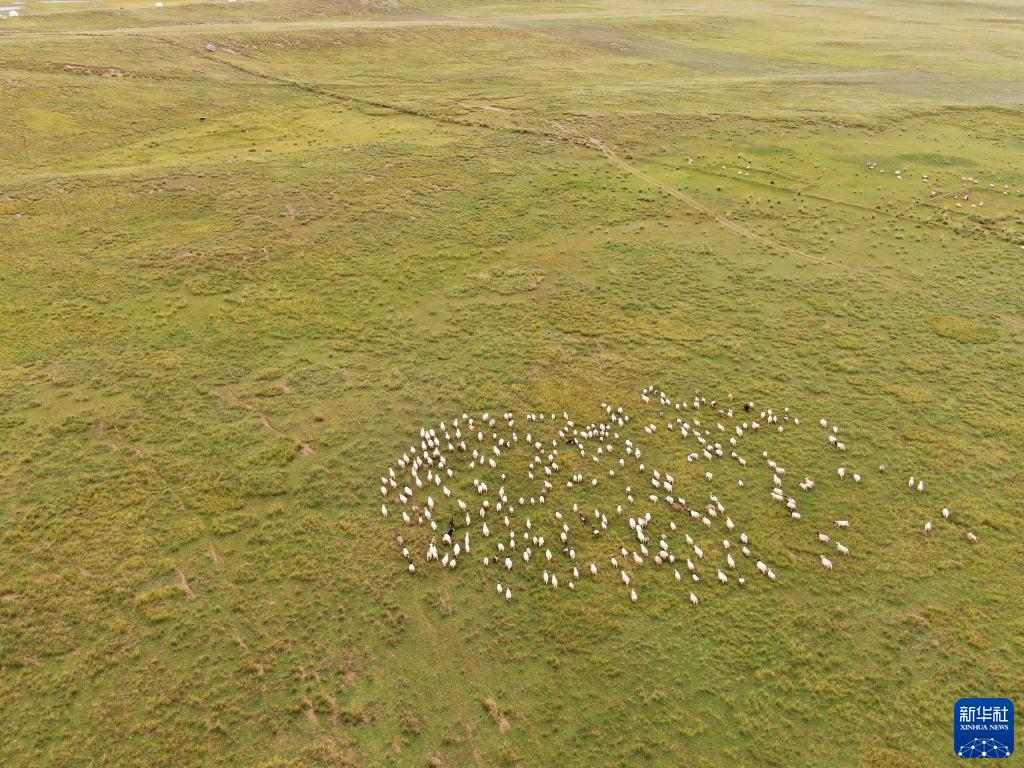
(305, 449)
(443, 650)
(183, 583)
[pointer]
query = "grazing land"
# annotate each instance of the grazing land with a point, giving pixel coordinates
(248, 249)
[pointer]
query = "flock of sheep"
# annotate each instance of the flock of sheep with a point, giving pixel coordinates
(564, 502)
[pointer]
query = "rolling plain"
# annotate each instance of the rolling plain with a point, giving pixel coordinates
(248, 249)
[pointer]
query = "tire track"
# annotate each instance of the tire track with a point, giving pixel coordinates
(427, 628)
(779, 247)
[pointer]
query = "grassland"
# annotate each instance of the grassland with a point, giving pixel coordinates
(217, 333)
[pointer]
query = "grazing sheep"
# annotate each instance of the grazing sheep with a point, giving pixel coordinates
(441, 452)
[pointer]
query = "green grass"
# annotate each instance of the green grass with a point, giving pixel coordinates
(216, 335)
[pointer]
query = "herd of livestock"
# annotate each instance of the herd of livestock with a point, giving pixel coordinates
(564, 502)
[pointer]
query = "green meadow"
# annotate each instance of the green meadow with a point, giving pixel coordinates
(236, 282)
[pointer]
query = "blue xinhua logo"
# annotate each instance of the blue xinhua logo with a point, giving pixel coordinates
(983, 728)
